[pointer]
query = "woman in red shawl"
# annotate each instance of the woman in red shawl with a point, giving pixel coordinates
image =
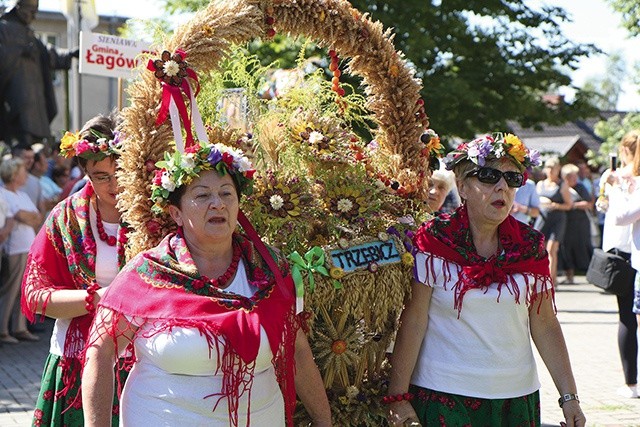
(463, 354)
(210, 312)
(76, 254)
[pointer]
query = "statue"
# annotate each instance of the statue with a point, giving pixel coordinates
(27, 99)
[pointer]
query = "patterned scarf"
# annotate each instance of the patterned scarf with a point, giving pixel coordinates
(448, 237)
(153, 287)
(63, 256)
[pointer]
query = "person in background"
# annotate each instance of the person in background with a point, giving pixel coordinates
(617, 184)
(75, 256)
(483, 292)
(576, 249)
(526, 206)
(60, 176)
(555, 201)
(210, 312)
(50, 192)
(441, 183)
(27, 221)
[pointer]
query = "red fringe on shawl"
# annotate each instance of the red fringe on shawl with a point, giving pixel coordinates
(146, 289)
(443, 238)
(62, 256)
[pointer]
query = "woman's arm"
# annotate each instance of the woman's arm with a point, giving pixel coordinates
(33, 219)
(413, 326)
(62, 303)
(309, 385)
(625, 210)
(567, 202)
(547, 336)
(97, 375)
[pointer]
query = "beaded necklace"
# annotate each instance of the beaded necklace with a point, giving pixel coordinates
(111, 240)
(206, 286)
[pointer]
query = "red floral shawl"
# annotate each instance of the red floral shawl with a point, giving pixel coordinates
(448, 237)
(152, 287)
(63, 256)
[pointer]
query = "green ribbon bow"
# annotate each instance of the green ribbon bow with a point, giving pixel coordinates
(313, 262)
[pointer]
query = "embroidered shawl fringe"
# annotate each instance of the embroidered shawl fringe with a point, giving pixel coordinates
(545, 287)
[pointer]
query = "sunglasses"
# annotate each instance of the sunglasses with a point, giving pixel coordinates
(492, 176)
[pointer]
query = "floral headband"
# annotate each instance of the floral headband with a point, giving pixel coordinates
(489, 147)
(179, 169)
(71, 145)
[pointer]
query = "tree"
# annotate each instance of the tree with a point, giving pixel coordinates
(630, 10)
(482, 62)
(606, 89)
(611, 131)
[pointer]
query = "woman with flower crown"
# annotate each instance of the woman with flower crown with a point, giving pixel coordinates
(463, 354)
(210, 312)
(75, 256)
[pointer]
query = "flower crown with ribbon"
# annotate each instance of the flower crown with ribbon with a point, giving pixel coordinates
(493, 147)
(72, 145)
(181, 168)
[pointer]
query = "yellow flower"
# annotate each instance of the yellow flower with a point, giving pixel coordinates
(516, 149)
(336, 273)
(68, 142)
(435, 145)
(407, 259)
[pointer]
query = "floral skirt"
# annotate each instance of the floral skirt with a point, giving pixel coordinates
(435, 408)
(64, 410)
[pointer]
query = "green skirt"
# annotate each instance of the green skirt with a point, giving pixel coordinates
(435, 408)
(64, 411)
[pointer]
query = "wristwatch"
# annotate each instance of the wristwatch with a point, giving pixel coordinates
(567, 397)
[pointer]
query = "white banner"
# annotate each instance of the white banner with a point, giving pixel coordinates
(109, 56)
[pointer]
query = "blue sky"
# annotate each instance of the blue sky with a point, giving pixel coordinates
(594, 22)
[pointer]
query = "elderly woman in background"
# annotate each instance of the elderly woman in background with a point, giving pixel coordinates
(76, 255)
(27, 220)
(441, 183)
(555, 201)
(210, 312)
(576, 249)
(463, 352)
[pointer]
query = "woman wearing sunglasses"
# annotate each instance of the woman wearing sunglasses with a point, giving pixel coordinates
(483, 289)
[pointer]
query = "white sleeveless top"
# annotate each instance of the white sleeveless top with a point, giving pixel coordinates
(175, 372)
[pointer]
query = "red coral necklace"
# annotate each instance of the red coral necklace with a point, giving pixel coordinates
(109, 240)
(206, 286)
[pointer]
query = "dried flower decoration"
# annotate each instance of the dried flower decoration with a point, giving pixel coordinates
(171, 69)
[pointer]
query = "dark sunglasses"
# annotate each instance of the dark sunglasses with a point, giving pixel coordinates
(492, 176)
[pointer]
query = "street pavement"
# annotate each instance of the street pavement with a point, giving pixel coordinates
(589, 322)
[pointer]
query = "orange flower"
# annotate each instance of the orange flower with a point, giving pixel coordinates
(516, 149)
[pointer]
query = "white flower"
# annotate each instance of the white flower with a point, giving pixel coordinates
(276, 201)
(171, 68)
(499, 151)
(187, 161)
(315, 137)
(101, 141)
(167, 183)
(345, 205)
(243, 164)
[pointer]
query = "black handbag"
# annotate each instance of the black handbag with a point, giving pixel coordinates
(611, 271)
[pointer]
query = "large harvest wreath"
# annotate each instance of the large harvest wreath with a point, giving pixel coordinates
(342, 207)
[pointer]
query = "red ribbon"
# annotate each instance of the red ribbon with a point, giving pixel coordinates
(175, 92)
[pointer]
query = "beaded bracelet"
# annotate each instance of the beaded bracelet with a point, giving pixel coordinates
(397, 398)
(91, 290)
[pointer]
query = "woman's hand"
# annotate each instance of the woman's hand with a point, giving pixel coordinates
(573, 414)
(402, 414)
